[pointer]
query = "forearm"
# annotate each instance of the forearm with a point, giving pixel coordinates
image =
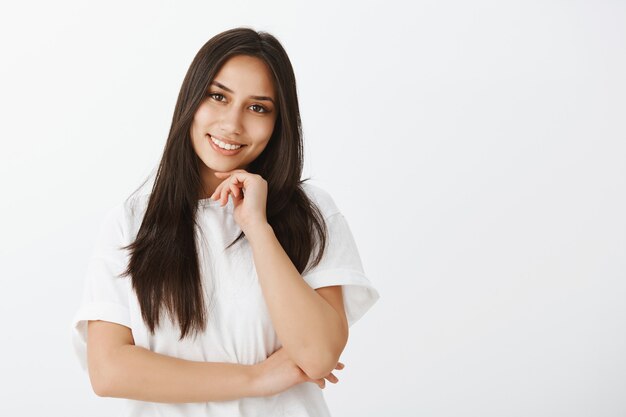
(308, 327)
(140, 374)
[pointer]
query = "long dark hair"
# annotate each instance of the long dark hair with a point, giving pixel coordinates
(163, 265)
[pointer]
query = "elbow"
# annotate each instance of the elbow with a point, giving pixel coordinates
(101, 380)
(321, 364)
(99, 386)
(99, 392)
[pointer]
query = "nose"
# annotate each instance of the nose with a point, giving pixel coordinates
(230, 121)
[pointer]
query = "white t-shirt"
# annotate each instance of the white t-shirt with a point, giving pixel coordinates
(239, 329)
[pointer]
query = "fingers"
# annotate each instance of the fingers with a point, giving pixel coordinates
(224, 189)
(234, 190)
(332, 378)
(216, 193)
(227, 186)
(223, 195)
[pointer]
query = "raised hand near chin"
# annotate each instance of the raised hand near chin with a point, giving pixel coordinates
(249, 194)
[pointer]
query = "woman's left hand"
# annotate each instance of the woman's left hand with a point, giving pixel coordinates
(249, 194)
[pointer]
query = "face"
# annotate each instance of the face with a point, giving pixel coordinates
(239, 113)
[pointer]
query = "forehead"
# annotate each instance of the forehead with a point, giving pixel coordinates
(246, 75)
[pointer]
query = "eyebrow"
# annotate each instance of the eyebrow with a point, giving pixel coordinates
(261, 98)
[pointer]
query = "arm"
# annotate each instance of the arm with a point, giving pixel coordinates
(312, 331)
(118, 368)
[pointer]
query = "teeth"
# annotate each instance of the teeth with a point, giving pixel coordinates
(224, 145)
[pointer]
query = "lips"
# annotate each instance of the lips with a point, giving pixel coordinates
(230, 142)
(222, 151)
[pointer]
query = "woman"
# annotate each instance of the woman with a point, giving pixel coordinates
(228, 290)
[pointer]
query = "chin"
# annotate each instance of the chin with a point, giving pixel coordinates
(221, 166)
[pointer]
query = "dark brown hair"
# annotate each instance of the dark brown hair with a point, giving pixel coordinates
(163, 265)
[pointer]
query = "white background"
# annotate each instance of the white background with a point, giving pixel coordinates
(477, 149)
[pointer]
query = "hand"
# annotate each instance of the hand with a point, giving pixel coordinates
(278, 373)
(249, 194)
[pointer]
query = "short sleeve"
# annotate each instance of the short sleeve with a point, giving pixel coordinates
(341, 265)
(105, 295)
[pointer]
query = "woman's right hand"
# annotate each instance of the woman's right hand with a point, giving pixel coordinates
(278, 373)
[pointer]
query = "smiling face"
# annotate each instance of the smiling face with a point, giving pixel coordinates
(240, 109)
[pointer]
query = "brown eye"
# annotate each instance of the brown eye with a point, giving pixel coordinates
(261, 108)
(216, 96)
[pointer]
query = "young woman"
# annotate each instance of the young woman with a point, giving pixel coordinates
(229, 288)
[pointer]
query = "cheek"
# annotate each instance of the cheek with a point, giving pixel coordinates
(264, 130)
(194, 132)
(202, 116)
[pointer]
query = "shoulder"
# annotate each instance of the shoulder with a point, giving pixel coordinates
(130, 208)
(124, 218)
(321, 198)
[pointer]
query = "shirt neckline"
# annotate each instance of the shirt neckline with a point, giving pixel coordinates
(208, 202)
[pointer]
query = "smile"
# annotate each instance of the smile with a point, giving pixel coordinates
(223, 147)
